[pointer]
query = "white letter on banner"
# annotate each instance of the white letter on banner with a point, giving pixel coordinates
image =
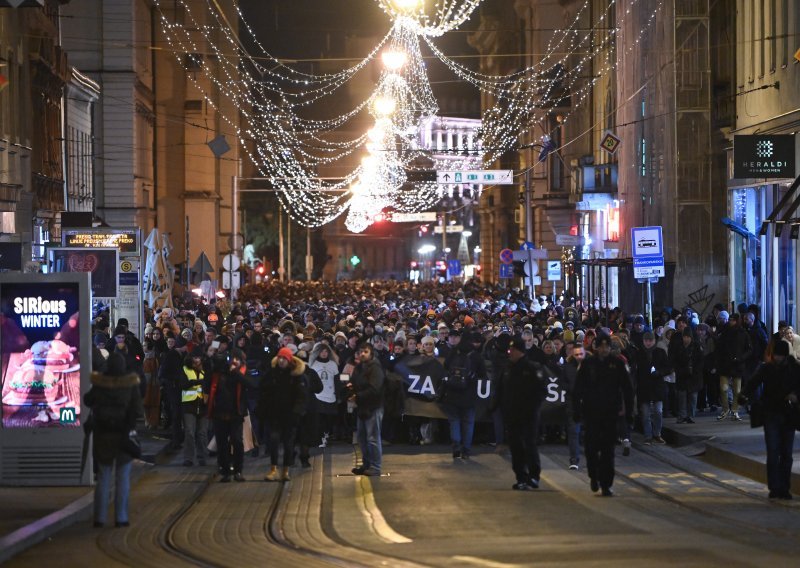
(427, 387)
(415, 380)
(552, 390)
(484, 388)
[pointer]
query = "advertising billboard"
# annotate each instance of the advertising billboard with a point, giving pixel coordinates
(127, 241)
(41, 357)
(101, 263)
(764, 156)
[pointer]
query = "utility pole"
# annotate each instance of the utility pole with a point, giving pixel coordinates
(281, 269)
(288, 248)
(309, 260)
(529, 227)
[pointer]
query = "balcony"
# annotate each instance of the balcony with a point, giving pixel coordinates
(596, 179)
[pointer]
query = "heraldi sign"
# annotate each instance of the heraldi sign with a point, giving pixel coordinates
(760, 156)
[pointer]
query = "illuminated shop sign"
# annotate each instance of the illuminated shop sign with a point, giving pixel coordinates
(764, 156)
(100, 263)
(41, 358)
(127, 241)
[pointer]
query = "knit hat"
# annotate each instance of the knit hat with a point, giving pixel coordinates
(648, 335)
(723, 316)
(285, 353)
(427, 339)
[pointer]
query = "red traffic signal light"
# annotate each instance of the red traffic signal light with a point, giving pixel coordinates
(573, 230)
(414, 264)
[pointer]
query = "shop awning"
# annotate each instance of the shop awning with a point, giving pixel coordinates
(738, 228)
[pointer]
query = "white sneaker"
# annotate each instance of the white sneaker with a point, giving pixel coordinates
(735, 416)
(723, 415)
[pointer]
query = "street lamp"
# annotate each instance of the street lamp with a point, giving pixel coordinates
(393, 60)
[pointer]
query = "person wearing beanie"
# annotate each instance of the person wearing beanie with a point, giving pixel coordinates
(652, 365)
(325, 363)
(282, 403)
(778, 381)
(367, 390)
(116, 405)
(686, 357)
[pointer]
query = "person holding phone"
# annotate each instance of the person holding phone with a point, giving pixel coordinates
(652, 365)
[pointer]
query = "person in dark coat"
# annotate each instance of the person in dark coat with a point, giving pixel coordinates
(367, 390)
(577, 354)
(116, 404)
(308, 428)
(603, 392)
(652, 365)
(733, 350)
(687, 360)
(227, 408)
(459, 394)
(170, 375)
(780, 380)
(282, 403)
(521, 389)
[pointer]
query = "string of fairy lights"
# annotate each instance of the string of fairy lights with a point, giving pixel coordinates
(268, 102)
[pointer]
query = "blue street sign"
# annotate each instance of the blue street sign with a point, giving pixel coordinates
(506, 271)
(527, 245)
(652, 261)
(647, 242)
(454, 267)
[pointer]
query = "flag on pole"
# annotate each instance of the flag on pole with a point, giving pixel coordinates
(158, 274)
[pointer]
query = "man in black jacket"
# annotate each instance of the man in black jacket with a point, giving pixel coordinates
(733, 351)
(520, 392)
(367, 387)
(603, 392)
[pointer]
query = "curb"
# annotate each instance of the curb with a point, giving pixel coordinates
(79, 510)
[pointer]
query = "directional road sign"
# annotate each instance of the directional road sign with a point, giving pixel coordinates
(527, 245)
(483, 177)
(507, 256)
(506, 271)
(426, 217)
(532, 254)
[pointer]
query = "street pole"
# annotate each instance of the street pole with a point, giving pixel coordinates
(188, 262)
(288, 248)
(529, 226)
(281, 269)
(308, 254)
(650, 303)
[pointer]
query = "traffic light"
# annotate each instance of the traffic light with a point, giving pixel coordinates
(477, 271)
(413, 264)
(423, 231)
(519, 268)
(573, 230)
(355, 261)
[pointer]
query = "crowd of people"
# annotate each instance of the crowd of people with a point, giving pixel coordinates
(291, 367)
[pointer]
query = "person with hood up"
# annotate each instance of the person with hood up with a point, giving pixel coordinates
(282, 403)
(116, 404)
(193, 405)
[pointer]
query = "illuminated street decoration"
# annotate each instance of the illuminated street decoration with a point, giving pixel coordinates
(287, 148)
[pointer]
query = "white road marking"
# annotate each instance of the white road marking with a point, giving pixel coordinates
(483, 562)
(365, 500)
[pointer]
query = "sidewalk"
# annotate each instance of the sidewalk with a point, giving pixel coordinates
(29, 515)
(728, 445)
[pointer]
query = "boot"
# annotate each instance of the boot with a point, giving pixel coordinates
(286, 474)
(273, 474)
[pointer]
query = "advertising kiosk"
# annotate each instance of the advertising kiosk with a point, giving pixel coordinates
(45, 351)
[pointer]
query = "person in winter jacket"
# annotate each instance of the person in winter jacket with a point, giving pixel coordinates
(576, 355)
(652, 365)
(308, 427)
(227, 408)
(780, 380)
(521, 389)
(282, 403)
(195, 413)
(170, 374)
(116, 404)
(603, 392)
(687, 360)
(459, 394)
(367, 391)
(733, 351)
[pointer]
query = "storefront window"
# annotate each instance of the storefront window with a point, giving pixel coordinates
(748, 211)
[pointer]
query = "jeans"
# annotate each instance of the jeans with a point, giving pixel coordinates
(176, 413)
(195, 441)
(573, 438)
(652, 418)
(499, 426)
(462, 426)
(687, 404)
(779, 437)
(522, 436)
(229, 434)
(724, 384)
(369, 439)
(122, 487)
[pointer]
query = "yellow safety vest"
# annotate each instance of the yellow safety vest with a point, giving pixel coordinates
(195, 392)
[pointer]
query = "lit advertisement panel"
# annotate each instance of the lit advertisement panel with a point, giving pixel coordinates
(125, 240)
(40, 351)
(100, 263)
